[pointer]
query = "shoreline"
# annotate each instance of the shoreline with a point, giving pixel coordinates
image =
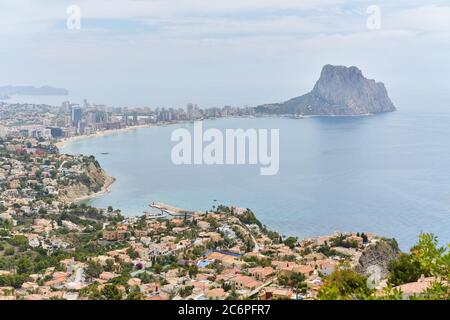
(111, 180)
(104, 190)
(63, 142)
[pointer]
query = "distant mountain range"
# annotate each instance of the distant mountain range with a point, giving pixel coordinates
(339, 91)
(6, 91)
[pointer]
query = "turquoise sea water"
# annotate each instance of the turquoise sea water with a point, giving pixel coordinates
(388, 174)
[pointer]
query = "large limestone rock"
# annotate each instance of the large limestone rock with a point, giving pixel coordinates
(377, 256)
(339, 91)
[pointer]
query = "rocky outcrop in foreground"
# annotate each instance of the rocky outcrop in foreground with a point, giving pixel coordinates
(339, 91)
(378, 255)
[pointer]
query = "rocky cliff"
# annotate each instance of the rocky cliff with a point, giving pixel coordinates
(339, 91)
(378, 255)
(96, 181)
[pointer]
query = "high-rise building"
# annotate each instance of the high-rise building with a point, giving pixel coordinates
(66, 106)
(56, 132)
(96, 117)
(76, 115)
(192, 111)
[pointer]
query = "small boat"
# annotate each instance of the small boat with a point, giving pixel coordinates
(296, 116)
(105, 153)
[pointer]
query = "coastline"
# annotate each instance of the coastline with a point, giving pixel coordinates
(111, 180)
(105, 189)
(61, 143)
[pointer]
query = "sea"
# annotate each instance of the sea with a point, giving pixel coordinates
(388, 174)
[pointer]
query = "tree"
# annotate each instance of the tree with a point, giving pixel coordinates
(93, 269)
(404, 270)
(24, 265)
(109, 266)
(433, 260)
(291, 242)
(19, 241)
(344, 284)
(248, 217)
(437, 291)
(91, 292)
(145, 277)
(132, 253)
(364, 237)
(193, 271)
(186, 291)
(232, 296)
(9, 251)
(330, 291)
(135, 294)
(14, 281)
(111, 292)
(297, 282)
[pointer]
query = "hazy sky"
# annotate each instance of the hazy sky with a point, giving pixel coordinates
(217, 52)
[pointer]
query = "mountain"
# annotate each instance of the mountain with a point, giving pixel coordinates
(32, 91)
(339, 91)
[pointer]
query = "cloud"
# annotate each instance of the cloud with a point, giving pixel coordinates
(194, 44)
(426, 18)
(32, 10)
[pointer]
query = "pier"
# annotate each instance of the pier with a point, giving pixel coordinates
(172, 210)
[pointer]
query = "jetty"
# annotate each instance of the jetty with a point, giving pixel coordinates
(172, 210)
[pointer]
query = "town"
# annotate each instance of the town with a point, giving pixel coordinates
(55, 246)
(70, 120)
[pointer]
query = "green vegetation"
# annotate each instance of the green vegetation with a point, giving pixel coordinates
(426, 258)
(404, 270)
(341, 241)
(344, 284)
(248, 217)
(296, 281)
(291, 242)
(185, 291)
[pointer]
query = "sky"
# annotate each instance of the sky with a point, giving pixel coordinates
(167, 53)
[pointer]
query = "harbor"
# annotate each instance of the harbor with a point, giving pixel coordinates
(172, 210)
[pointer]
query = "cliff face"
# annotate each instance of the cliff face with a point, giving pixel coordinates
(96, 182)
(339, 91)
(377, 255)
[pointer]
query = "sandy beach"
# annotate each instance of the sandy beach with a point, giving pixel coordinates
(64, 141)
(110, 180)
